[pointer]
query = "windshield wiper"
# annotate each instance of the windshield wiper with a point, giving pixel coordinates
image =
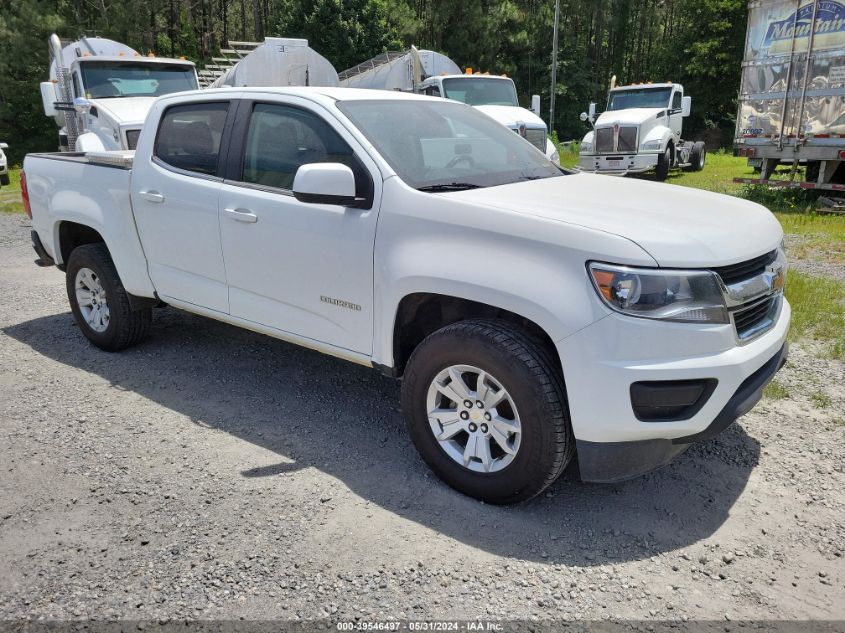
(452, 186)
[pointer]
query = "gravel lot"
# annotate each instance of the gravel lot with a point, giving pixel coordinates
(215, 473)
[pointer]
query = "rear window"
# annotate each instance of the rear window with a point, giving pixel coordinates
(189, 137)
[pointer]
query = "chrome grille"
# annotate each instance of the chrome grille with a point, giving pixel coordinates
(625, 142)
(753, 291)
(537, 137)
(745, 270)
(627, 139)
(756, 316)
(604, 140)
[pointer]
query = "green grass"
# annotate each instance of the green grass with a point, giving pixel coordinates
(10, 197)
(776, 391)
(818, 311)
(820, 400)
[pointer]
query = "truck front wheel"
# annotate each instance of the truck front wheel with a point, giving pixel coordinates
(664, 162)
(100, 303)
(486, 409)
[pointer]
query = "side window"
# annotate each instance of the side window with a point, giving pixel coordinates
(433, 91)
(280, 139)
(189, 136)
(676, 100)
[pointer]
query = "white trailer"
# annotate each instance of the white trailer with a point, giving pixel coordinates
(100, 91)
(434, 74)
(792, 92)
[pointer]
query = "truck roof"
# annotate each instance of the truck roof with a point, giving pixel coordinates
(135, 58)
(667, 84)
(317, 93)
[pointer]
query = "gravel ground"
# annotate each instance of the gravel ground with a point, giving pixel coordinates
(215, 473)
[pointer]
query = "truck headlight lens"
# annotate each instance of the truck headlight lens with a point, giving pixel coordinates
(555, 158)
(586, 148)
(688, 296)
(652, 145)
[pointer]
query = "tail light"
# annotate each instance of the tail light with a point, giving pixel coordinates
(842, 154)
(25, 196)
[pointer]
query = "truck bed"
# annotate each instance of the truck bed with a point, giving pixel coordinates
(91, 190)
(121, 159)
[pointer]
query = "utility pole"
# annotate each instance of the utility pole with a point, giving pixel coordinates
(554, 66)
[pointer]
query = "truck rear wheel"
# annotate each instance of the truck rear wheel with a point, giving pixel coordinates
(486, 409)
(664, 162)
(697, 156)
(100, 303)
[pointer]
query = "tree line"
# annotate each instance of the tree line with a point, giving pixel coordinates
(694, 42)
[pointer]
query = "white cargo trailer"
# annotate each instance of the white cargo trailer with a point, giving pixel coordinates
(792, 93)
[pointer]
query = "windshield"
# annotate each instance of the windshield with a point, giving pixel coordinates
(639, 98)
(477, 91)
(433, 143)
(103, 80)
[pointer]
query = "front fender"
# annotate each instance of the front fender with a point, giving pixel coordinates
(433, 243)
(658, 133)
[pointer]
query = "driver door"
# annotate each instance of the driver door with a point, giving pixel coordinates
(676, 116)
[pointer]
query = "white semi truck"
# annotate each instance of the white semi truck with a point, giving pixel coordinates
(434, 74)
(100, 91)
(640, 131)
(792, 92)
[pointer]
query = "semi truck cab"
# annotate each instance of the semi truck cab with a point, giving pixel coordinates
(100, 91)
(640, 131)
(495, 95)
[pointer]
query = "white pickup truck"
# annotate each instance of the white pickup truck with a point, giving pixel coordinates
(532, 313)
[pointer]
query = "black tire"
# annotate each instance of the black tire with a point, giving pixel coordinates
(697, 156)
(4, 180)
(664, 162)
(126, 327)
(534, 383)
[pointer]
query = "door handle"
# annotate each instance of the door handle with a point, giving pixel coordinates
(241, 215)
(152, 196)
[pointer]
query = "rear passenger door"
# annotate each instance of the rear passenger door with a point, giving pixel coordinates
(305, 269)
(175, 200)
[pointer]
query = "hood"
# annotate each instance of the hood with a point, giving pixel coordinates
(125, 110)
(512, 116)
(678, 226)
(632, 116)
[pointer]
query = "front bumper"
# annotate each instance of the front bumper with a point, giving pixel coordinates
(602, 361)
(617, 164)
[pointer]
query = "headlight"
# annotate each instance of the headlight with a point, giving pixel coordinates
(652, 145)
(586, 148)
(555, 158)
(689, 296)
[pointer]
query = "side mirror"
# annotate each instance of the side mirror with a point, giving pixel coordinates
(82, 105)
(535, 104)
(686, 106)
(584, 116)
(49, 98)
(325, 183)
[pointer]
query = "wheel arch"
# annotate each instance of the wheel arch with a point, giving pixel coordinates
(419, 314)
(70, 235)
